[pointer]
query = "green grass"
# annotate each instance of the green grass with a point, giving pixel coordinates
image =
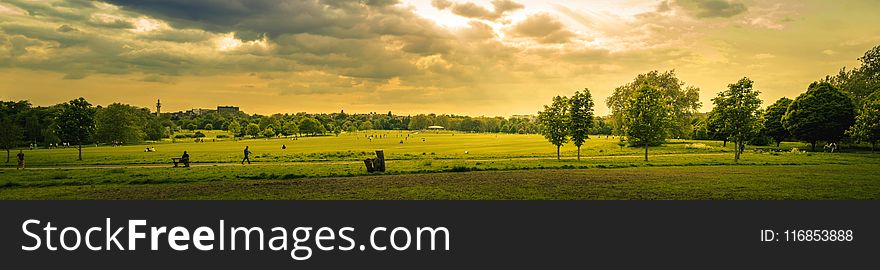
(494, 167)
(355, 146)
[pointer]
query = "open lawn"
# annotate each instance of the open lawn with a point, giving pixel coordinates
(440, 166)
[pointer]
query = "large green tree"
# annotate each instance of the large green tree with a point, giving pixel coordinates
(714, 127)
(234, 127)
(419, 122)
(554, 123)
(11, 129)
(867, 125)
(121, 123)
(155, 129)
(860, 82)
(311, 126)
(253, 129)
(76, 123)
(683, 101)
(580, 118)
(10, 134)
(290, 128)
(645, 117)
(773, 120)
(737, 110)
(823, 113)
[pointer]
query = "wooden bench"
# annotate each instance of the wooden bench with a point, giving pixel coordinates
(180, 160)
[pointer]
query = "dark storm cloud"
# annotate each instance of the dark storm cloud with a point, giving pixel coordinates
(274, 17)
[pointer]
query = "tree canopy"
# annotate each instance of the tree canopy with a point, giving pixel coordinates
(645, 117)
(553, 121)
(822, 113)
(867, 124)
(580, 114)
(683, 101)
(76, 123)
(773, 120)
(737, 110)
(121, 123)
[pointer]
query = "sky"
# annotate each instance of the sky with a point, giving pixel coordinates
(465, 57)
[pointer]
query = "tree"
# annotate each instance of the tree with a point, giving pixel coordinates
(269, 132)
(10, 134)
(871, 63)
(419, 122)
(683, 101)
(738, 113)
(252, 129)
(867, 125)
(645, 117)
(209, 126)
(311, 126)
(860, 82)
(76, 123)
(366, 125)
(290, 128)
(155, 130)
(580, 114)
(553, 120)
(714, 127)
(823, 113)
(234, 128)
(773, 120)
(120, 123)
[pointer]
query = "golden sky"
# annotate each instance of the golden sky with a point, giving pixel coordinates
(499, 57)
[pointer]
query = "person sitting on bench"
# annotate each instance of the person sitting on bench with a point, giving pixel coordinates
(183, 159)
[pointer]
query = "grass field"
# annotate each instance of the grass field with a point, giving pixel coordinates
(440, 166)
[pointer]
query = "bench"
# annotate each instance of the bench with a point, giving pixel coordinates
(180, 160)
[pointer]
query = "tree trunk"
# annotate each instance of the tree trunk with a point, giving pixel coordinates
(558, 157)
(646, 151)
(725, 143)
(80, 148)
(579, 153)
(873, 144)
(777, 144)
(7, 155)
(736, 151)
(813, 146)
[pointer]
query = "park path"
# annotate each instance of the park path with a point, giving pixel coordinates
(156, 166)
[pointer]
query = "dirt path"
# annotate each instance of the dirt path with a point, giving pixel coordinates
(148, 166)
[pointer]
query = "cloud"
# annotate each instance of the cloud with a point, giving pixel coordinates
(470, 10)
(66, 28)
(764, 56)
(543, 28)
(714, 8)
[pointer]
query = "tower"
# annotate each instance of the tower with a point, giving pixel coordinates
(158, 108)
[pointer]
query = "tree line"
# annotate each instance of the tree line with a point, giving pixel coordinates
(78, 122)
(657, 106)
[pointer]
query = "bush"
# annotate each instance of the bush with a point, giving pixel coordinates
(199, 134)
(222, 136)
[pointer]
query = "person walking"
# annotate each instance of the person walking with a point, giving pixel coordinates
(20, 160)
(247, 153)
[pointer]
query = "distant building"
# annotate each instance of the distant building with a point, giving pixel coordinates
(227, 109)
